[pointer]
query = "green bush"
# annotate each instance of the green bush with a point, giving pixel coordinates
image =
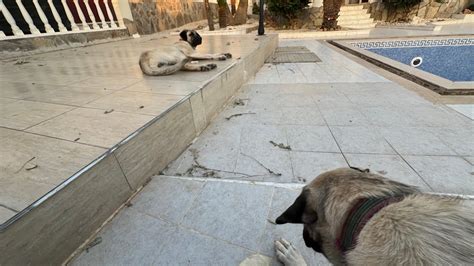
(286, 8)
(402, 3)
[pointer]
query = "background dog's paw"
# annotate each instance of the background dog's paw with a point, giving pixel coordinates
(208, 67)
(222, 57)
(228, 55)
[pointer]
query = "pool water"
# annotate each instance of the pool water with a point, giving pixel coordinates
(453, 60)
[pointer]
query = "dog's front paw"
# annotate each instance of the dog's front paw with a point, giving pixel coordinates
(208, 67)
(228, 55)
(287, 254)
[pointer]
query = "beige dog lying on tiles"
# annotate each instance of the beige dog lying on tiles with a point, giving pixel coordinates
(166, 60)
(354, 217)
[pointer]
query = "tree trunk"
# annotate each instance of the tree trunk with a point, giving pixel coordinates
(331, 12)
(225, 15)
(223, 10)
(232, 7)
(208, 13)
(241, 15)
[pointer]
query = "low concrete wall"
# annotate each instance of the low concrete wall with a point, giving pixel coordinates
(426, 9)
(50, 230)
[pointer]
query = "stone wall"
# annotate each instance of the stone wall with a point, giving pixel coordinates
(427, 9)
(152, 16)
(310, 18)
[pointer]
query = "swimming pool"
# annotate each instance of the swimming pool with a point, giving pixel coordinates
(442, 64)
(452, 58)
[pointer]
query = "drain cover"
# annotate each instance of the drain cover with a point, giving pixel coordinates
(292, 54)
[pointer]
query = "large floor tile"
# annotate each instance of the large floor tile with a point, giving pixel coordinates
(132, 238)
(173, 87)
(444, 174)
(308, 115)
(187, 247)
(222, 203)
(358, 139)
(435, 116)
(390, 166)
(6, 214)
(245, 115)
(31, 165)
(256, 138)
(92, 126)
(265, 165)
(5, 101)
(75, 96)
(459, 139)
(345, 115)
(136, 102)
(41, 77)
(19, 193)
(311, 138)
(415, 141)
(109, 83)
(388, 116)
(308, 165)
(24, 114)
(167, 198)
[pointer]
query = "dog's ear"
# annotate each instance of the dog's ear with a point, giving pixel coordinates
(184, 35)
(294, 214)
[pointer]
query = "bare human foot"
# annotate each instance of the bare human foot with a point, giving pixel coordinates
(287, 254)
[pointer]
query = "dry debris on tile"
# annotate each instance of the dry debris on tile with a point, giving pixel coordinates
(239, 114)
(94, 243)
(261, 164)
(34, 157)
(280, 145)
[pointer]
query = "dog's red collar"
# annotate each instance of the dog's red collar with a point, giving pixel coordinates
(359, 215)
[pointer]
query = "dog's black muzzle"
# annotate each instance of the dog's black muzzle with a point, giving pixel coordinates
(309, 242)
(197, 40)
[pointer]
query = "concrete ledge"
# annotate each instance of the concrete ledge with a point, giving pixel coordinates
(52, 228)
(435, 83)
(321, 34)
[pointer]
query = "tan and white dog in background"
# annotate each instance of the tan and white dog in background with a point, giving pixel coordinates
(166, 60)
(354, 217)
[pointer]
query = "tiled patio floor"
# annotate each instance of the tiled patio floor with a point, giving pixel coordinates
(325, 115)
(59, 111)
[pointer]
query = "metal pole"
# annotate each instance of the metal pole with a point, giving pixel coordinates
(261, 30)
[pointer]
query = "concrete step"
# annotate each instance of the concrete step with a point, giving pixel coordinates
(360, 26)
(353, 17)
(352, 7)
(352, 12)
(355, 22)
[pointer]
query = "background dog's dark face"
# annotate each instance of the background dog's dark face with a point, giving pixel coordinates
(192, 37)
